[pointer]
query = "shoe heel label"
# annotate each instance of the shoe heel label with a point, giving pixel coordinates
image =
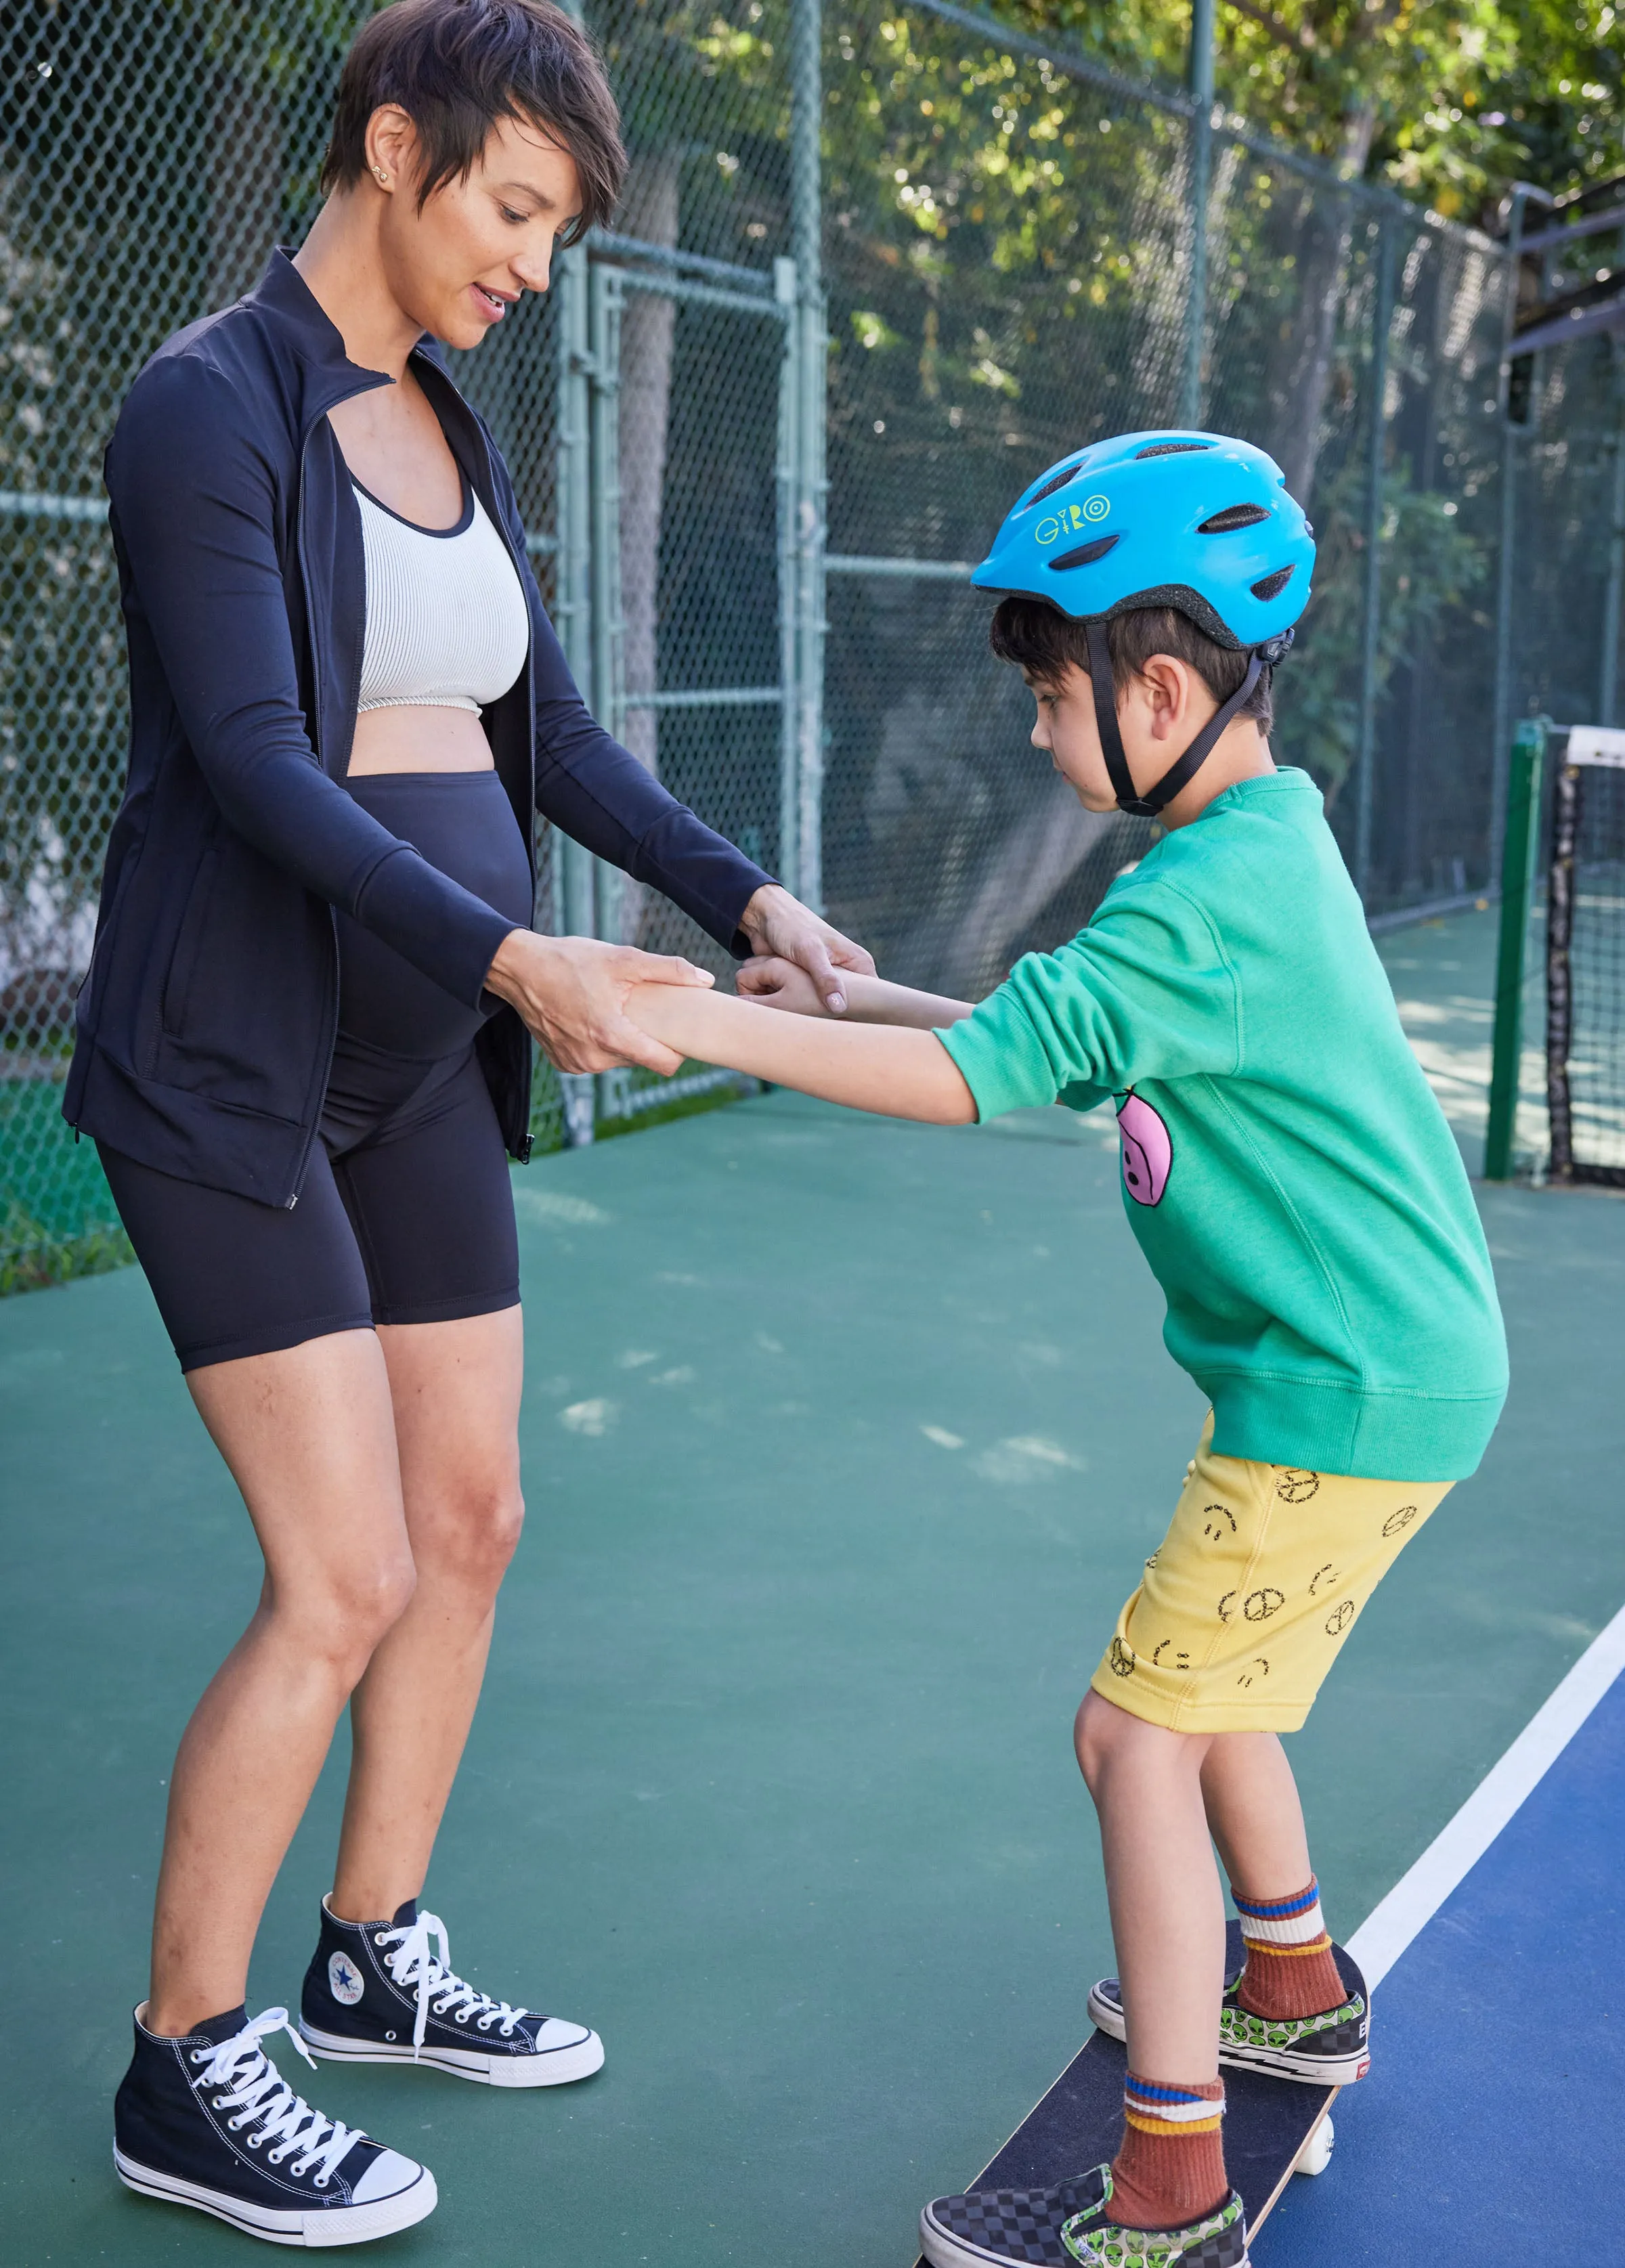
(344, 1980)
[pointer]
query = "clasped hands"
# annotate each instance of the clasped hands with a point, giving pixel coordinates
(572, 991)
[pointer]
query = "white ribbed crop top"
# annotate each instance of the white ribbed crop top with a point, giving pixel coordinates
(446, 623)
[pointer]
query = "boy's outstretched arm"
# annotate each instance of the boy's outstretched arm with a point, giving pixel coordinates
(778, 984)
(867, 1065)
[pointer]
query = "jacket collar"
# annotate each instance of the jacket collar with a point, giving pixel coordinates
(298, 320)
(327, 375)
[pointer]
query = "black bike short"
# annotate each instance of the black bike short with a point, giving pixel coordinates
(406, 1214)
(414, 1224)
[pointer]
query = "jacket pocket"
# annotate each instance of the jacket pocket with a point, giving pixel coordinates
(188, 947)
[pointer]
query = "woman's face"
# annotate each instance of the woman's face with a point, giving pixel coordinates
(458, 266)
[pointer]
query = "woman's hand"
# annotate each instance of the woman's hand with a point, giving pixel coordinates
(774, 983)
(780, 927)
(572, 993)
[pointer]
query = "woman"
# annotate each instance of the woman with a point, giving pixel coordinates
(303, 1050)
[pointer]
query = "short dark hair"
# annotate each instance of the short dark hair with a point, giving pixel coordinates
(1042, 641)
(455, 67)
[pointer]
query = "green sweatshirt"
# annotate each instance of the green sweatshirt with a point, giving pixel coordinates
(1286, 1168)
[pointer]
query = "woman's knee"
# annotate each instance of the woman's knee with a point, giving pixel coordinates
(471, 1537)
(345, 1615)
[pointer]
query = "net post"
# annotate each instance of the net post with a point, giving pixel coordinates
(1519, 842)
(1559, 986)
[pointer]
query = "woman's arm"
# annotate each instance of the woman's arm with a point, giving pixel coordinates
(598, 792)
(899, 1073)
(193, 512)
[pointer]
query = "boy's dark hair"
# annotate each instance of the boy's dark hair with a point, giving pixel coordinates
(455, 67)
(1040, 640)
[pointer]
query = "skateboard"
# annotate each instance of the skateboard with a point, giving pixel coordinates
(1273, 2127)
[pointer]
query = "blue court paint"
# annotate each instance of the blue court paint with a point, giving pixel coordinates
(1492, 2126)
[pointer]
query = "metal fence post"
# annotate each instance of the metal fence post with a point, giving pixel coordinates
(1613, 596)
(574, 609)
(1521, 844)
(785, 471)
(1200, 79)
(607, 694)
(1501, 710)
(1382, 317)
(806, 227)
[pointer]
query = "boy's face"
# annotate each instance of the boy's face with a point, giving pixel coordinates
(1159, 713)
(1066, 729)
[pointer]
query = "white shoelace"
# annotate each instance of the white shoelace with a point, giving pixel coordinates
(263, 2099)
(411, 1963)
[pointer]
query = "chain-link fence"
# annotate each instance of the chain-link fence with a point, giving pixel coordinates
(907, 237)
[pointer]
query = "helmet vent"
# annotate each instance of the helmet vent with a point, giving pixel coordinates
(1049, 487)
(1170, 449)
(1234, 515)
(1270, 586)
(1086, 553)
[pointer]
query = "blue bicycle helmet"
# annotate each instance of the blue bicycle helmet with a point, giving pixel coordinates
(1195, 521)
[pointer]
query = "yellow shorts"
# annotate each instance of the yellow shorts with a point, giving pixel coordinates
(1249, 1597)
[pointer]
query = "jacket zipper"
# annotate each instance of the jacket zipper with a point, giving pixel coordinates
(315, 655)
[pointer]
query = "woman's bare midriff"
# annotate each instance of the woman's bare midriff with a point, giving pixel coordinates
(419, 739)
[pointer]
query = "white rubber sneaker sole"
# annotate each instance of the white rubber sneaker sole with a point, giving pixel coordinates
(552, 2067)
(1279, 2063)
(342, 2224)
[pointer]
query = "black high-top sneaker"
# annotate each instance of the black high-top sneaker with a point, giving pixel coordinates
(376, 1994)
(208, 2121)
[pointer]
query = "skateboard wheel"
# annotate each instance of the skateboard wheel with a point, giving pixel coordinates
(1315, 2154)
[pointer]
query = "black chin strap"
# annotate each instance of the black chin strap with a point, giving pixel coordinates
(1183, 768)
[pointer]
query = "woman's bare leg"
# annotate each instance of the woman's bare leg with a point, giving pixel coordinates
(456, 1393)
(309, 1435)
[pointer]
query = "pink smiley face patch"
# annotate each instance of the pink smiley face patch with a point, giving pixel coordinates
(1148, 1152)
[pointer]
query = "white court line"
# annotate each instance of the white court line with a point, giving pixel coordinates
(1411, 1904)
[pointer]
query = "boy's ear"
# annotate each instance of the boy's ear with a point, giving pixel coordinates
(1163, 685)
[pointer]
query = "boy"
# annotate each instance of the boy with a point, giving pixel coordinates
(1294, 1188)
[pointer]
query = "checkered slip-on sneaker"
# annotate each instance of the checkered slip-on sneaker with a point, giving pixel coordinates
(209, 2122)
(1329, 2051)
(1218, 2240)
(1009, 2226)
(375, 1992)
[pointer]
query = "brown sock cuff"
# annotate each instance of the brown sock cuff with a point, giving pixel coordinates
(1170, 2171)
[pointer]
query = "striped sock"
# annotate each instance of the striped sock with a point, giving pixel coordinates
(1290, 1971)
(1170, 2168)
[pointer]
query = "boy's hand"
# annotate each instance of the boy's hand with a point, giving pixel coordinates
(775, 984)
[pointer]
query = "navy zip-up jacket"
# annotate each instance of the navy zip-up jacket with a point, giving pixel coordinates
(206, 1023)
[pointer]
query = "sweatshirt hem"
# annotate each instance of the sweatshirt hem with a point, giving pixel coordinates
(1323, 1425)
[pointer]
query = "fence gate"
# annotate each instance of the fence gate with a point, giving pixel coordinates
(683, 536)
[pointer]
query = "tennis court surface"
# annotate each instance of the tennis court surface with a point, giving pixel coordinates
(844, 1439)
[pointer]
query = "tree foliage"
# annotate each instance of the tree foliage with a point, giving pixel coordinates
(1449, 103)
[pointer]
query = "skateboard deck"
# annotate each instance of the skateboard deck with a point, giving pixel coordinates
(1267, 2121)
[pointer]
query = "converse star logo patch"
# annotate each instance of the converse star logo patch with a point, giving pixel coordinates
(345, 1979)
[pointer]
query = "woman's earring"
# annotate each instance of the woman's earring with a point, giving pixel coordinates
(380, 173)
